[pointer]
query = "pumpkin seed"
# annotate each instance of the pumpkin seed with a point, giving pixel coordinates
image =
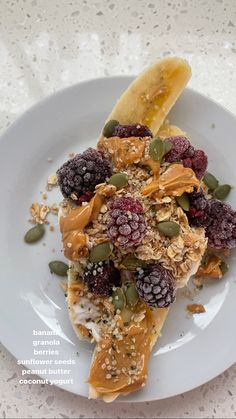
(183, 201)
(168, 146)
(119, 180)
(131, 262)
(224, 267)
(168, 228)
(118, 299)
(157, 149)
(210, 181)
(58, 267)
(222, 191)
(34, 234)
(101, 252)
(131, 295)
(126, 315)
(109, 127)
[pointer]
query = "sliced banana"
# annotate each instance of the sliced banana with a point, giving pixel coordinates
(168, 130)
(150, 97)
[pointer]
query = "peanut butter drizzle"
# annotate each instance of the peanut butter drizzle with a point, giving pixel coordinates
(123, 151)
(125, 357)
(127, 151)
(154, 166)
(173, 182)
(72, 225)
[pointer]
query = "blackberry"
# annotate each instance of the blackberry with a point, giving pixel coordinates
(127, 225)
(155, 286)
(82, 173)
(101, 277)
(221, 231)
(182, 151)
(218, 219)
(134, 130)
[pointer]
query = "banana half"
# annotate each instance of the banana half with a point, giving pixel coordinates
(120, 360)
(152, 94)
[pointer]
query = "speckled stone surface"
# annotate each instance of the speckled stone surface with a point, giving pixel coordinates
(46, 45)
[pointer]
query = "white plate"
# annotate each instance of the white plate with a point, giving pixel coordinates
(191, 351)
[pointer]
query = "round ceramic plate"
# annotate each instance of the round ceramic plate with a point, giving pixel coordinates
(192, 350)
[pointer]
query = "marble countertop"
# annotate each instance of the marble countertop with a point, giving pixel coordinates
(47, 45)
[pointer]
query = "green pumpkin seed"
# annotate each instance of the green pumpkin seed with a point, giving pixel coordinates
(224, 267)
(131, 263)
(58, 267)
(119, 180)
(118, 299)
(34, 234)
(101, 252)
(210, 181)
(109, 127)
(168, 146)
(131, 295)
(168, 228)
(126, 315)
(157, 149)
(183, 201)
(222, 191)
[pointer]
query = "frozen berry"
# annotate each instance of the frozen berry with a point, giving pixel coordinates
(155, 286)
(85, 197)
(197, 162)
(218, 219)
(221, 231)
(179, 146)
(198, 212)
(134, 130)
(82, 173)
(182, 151)
(127, 225)
(101, 277)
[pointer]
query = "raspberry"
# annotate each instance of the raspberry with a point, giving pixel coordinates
(183, 152)
(101, 277)
(155, 286)
(197, 162)
(179, 146)
(134, 130)
(82, 173)
(198, 212)
(218, 218)
(127, 224)
(85, 197)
